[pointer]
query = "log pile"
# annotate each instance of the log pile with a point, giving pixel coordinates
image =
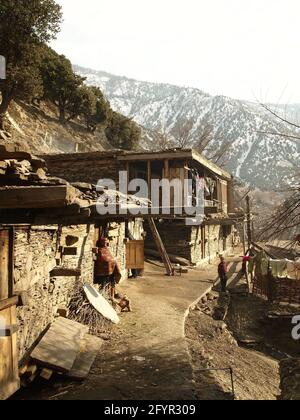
(290, 383)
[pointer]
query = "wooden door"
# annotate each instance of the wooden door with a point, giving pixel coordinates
(9, 375)
(135, 255)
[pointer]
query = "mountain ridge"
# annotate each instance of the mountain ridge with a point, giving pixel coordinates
(266, 161)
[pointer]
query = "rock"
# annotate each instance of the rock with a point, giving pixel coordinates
(219, 314)
(139, 359)
(212, 296)
(204, 300)
(220, 325)
(207, 311)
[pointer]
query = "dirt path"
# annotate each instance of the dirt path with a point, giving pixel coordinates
(146, 356)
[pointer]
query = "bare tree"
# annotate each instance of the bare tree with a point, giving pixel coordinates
(214, 147)
(163, 139)
(205, 139)
(182, 134)
(284, 120)
(285, 220)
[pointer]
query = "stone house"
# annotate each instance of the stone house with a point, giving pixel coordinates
(48, 230)
(197, 243)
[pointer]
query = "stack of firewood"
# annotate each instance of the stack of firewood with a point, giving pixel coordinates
(80, 310)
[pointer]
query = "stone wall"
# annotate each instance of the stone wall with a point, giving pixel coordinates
(37, 253)
(175, 235)
(186, 241)
(89, 168)
(116, 236)
(38, 250)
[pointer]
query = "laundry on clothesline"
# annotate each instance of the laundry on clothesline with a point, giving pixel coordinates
(279, 268)
(293, 270)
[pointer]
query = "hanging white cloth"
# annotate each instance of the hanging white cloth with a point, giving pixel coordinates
(279, 268)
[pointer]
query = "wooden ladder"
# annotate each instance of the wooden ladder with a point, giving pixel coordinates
(161, 248)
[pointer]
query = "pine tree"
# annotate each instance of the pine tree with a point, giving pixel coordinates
(61, 84)
(123, 133)
(24, 25)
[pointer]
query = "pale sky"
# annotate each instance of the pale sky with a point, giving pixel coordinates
(246, 49)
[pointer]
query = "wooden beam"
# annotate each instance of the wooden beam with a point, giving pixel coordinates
(4, 264)
(149, 174)
(9, 331)
(69, 251)
(65, 272)
(30, 197)
(167, 168)
(8, 303)
(210, 165)
(155, 156)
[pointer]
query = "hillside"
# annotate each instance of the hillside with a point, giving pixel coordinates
(262, 160)
(38, 130)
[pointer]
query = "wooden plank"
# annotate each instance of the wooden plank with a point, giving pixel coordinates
(60, 346)
(149, 171)
(166, 169)
(65, 272)
(36, 197)
(4, 264)
(9, 389)
(155, 156)
(69, 251)
(210, 165)
(7, 303)
(89, 349)
(8, 331)
(135, 255)
(9, 372)
(161, 248)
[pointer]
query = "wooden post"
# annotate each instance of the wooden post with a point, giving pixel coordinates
(244, 237)
(149, 175)
(4, 264)
(167, 169)
(249, 227)
(11, 258)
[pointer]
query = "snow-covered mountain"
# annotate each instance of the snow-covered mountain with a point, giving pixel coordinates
(261, 159)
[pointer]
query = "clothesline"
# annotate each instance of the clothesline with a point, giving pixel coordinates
(263, 265)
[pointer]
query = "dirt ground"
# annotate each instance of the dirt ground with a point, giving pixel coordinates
(249, 341)
(162, 350)
(146, 356)
(256, 376)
